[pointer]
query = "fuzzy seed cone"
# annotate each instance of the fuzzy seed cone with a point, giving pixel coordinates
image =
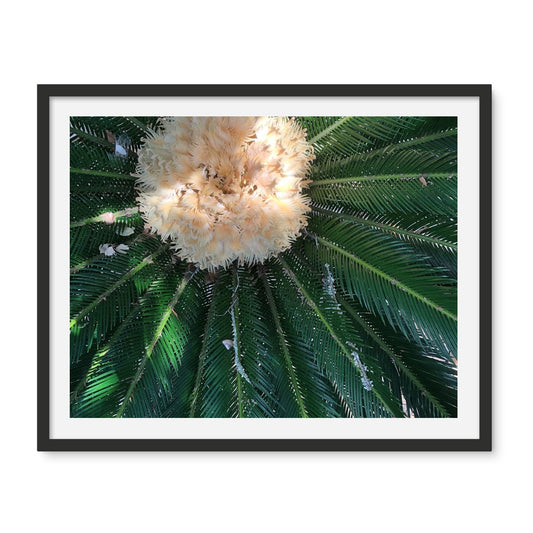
(225, 188)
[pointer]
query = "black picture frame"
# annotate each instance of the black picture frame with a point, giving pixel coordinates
(45, 93)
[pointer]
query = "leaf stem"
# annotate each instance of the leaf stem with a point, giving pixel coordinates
(125, 212)
(140, 125)
(288, 362)
(83, 264)
(383, 177)
(102, 173)
(329, 129)
(234, 310)
(201, 359)
(93, 138)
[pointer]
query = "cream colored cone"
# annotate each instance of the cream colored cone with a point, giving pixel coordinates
(225, 188)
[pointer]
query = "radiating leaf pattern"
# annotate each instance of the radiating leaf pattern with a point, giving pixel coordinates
(357, 319)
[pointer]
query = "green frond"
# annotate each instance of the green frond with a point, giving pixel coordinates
(98, 160)
(157, 381)
(215, 393)
(413, 230)
(249, 350)
(388, 194)
(432, 239)
(141, 355)
(333, 340)
(388, 280)
(100, 183)
(351, 140)
(422, 378)
(341, 136)
(98, 131)
(85, 239)
(292, 380)
(101, 294)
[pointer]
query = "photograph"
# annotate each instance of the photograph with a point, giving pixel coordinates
(277, 266)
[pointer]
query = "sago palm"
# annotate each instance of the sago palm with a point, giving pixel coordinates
(356, 318)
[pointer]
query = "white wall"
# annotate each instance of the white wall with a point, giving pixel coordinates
(378, 42)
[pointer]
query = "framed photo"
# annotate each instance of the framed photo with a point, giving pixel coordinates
(264, 268)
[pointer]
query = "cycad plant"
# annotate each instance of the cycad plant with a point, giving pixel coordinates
(355, 317)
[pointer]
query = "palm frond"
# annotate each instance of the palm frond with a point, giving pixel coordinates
(148, 342)
(388, 194)
(99, 131)
(388, 280)
(215, 394)
(423, 379)
(341, 136)
(333, 340)
(432, 239)
(157, 379)
(102, 293)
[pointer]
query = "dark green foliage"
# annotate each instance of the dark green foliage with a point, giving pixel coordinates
(357, 319)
